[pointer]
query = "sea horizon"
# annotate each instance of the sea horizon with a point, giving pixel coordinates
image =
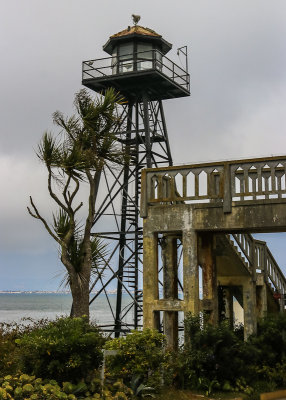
(16, 306)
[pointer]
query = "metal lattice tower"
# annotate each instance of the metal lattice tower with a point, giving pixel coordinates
(140, 71)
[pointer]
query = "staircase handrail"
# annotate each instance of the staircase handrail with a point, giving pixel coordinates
(273, 272)
(258, 258)
(242, 239)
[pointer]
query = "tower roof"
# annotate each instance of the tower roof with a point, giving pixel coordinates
(139, 32)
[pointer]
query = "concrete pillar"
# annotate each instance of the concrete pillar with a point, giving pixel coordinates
(170, 288)
(208, 263)
(261, 301)
(228, 298)
(150, 280)
(191, 272)
(249, 307)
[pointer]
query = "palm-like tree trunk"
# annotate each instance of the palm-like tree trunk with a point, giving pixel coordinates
(80, 295)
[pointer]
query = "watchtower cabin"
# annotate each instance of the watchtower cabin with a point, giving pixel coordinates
(138, 67)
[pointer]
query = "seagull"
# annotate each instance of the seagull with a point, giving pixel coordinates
(136, 18)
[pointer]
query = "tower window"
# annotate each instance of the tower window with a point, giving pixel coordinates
(144, 56)
(125, 58)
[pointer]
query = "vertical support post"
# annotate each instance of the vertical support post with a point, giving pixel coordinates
(138, 244)
(170, 288)
(208, 264)
(191, 272)
(150, 279)
(249, 307)
(261, 300)
(165, 132)
(228, 298)
(252, 257)
(281, 301)
(147, 130)
(227, 199)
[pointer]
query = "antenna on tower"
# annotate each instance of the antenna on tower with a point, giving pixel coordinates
(184, 51)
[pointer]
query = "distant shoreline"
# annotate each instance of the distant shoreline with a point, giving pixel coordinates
(44, 292)
(33, 292)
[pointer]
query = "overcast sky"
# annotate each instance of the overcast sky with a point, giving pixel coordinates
(237, 59)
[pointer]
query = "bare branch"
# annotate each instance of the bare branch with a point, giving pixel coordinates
(65, 191)
(78, 207)
(30, 212)
(38, 216)
(72, 196)
(52, 194)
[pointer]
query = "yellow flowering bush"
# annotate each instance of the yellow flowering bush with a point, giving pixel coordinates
(26, 387)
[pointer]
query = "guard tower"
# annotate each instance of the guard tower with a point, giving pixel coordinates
(138, 68)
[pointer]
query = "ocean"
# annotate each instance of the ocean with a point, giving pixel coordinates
(14, 307)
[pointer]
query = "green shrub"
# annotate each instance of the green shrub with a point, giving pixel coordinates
(270, 340)
(66, 349)
(9, 333)
(215, 357)
(8, 358)
(273, 376)
(140, 354)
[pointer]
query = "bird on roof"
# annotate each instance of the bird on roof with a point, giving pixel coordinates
(136, 18)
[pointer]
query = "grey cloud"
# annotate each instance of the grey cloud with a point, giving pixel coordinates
(237, 62)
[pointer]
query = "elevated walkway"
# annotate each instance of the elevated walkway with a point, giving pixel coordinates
(212, 209)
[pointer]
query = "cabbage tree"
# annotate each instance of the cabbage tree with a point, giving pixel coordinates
(74, 157)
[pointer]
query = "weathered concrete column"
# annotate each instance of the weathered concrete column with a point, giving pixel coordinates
(150, 279)
(261, 301)
(249, 307)
(170, 288)
(228, 298)
(207, 261)
(191, 272)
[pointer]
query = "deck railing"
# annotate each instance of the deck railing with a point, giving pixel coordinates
(134, 63)
(220, 182)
